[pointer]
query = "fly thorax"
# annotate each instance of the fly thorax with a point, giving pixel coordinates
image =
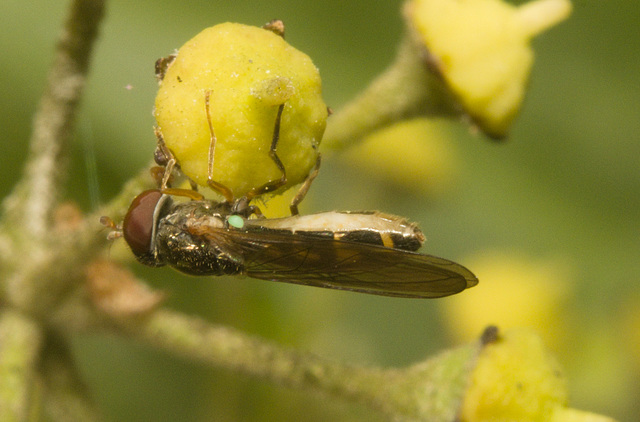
(190, 244)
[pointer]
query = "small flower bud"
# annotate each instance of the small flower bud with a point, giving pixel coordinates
(516, 379)
(481, 50)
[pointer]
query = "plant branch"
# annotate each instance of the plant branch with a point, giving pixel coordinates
(432, 389)
(54, 119)
(20, 345)
(222, 346)
(27, 238)
(404, 90)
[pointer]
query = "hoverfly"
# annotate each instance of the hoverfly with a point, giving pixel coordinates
(368, 252)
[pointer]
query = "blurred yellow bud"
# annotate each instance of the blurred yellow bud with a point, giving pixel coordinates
(249, 72)
(514, 291)
(481, 50)
(516, 379)
(414, 155)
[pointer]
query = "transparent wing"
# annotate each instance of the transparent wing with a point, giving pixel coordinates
(302, 258)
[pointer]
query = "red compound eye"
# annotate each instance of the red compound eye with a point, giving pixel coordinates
(137, 226)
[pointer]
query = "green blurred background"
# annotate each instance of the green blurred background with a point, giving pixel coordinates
(564, 187)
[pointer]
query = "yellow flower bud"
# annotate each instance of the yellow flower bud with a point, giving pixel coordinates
(481, 50)
(248, 72)
(516, 379)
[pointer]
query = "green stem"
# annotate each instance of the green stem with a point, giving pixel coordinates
(53, 121)
(404, 90)
(432, 389)
(20, 345)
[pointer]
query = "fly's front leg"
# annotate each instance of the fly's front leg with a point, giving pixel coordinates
(164, 172)
(164, 159)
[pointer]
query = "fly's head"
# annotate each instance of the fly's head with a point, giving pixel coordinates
(139, 225)
(161, 232)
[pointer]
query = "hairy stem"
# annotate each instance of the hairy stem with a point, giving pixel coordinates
(396, 392)
(404, 90)
(54, 119)
(20, 345)
(225, 347)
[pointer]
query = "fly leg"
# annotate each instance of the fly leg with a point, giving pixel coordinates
(216, 186)
(241, 206)
(164, 172)
(272, 185)
(302, 192)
